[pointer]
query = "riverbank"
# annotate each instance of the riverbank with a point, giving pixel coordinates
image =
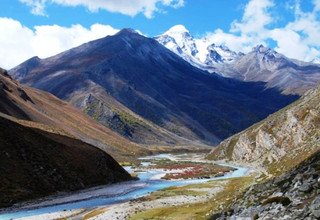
(119, 194)
(63, 202)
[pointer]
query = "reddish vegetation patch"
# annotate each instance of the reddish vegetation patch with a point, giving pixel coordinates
(189, 170)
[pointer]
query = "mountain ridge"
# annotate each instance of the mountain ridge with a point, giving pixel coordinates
(154, 84)
(262, 64)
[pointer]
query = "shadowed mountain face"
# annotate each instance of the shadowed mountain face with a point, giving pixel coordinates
(45, 111)
(279, 142)
(35, 163)
(150, 89)
(39, 152)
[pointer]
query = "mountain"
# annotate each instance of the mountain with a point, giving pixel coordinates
(201, 53)
(37, 159)
(36, 163)
(263, 64)
(279, 142)
(40, 109)
(158, 95)
(284, 150)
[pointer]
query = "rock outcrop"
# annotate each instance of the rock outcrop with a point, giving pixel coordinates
(293, 195)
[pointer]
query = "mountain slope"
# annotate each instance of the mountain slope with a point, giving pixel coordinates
(279, 142)
(263, 64)
(293, 195)
(44, 111)
(153, 88)
(35, 163)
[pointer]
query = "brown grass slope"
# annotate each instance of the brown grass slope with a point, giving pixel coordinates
(36, 163)
(279, 142)
(54, 115)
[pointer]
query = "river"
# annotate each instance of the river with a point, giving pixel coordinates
(149, 181)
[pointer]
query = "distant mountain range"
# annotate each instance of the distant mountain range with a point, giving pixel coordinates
(262, 64)
(39, 159)
(145, 92)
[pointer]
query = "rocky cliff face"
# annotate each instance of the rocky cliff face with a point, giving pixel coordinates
(293, 195)
(280, 141)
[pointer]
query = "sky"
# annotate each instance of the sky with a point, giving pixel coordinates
(46, 27)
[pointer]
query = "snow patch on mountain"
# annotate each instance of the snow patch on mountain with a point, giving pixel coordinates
(316, 60)
(200, 52)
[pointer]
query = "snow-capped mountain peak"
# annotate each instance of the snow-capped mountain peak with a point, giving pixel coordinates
(179, 40)
(270, 56)
(177, 29)
(260, 49)
(200, 52)
(180, 35)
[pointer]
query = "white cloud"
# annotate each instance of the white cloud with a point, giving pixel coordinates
(126, 7)
(19, 43)
(248, 32)
(299, 39)
(317, 5)
(255, 17)
(37, 6)
(289, 43)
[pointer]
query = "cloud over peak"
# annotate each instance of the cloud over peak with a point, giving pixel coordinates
(298, 39)
(43, 41)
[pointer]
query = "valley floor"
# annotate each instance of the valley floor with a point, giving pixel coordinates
(151, 196)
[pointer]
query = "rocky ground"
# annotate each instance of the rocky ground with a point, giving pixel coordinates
(130, 208)
(294, 195)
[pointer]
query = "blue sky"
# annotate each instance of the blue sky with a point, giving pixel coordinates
(46, 27)
(199, 16)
